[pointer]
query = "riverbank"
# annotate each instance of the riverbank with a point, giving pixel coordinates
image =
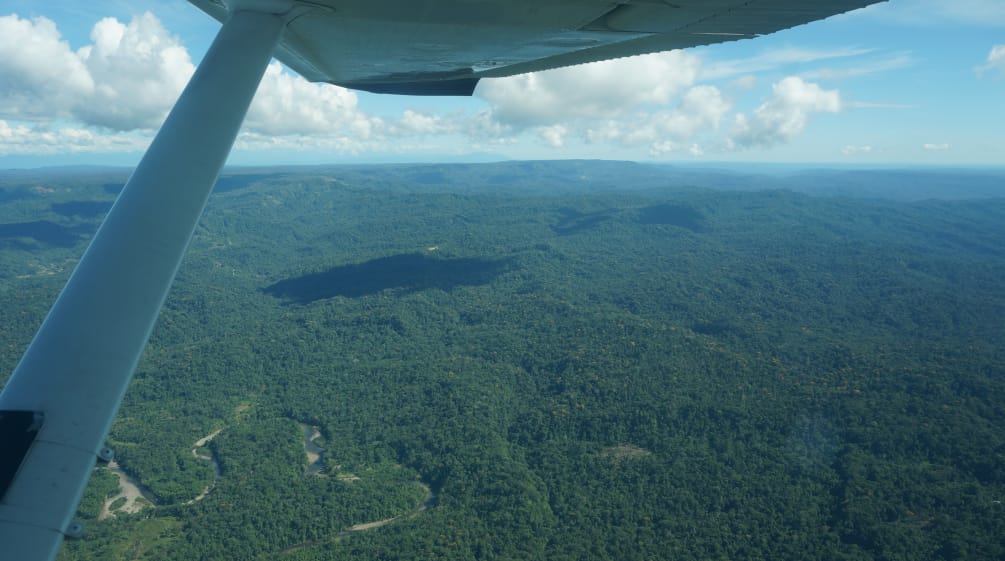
(131, 498)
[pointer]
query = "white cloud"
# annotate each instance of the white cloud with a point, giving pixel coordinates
(995, 61)
(39, 75)
(553, 135)
(343, 144)
(139, 70)
(699, 112)
(109, 95)
(851, 150)
(784, 114)
(776, 58)
(872, 65)
(701, 108)
(932, 147)
(127, 79)
(666, 147)
(483, 126)
(286, 104)
(420, 123)
(608, 88)
(38, 139)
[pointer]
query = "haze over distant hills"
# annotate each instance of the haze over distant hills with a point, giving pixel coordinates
(567, 176)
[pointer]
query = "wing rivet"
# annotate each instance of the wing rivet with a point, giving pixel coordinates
(106, 454)
(75, 530)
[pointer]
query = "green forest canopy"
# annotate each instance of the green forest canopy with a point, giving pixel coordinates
(552, 360)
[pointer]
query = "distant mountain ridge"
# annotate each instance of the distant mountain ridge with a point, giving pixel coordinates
(578, 176)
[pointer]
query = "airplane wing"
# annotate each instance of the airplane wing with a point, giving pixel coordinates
(443, 47)
(58, 405)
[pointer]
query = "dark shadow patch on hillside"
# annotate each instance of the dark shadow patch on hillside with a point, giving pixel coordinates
(714, 328)
(410, 271)
(42, 231)
(429, 178)
(8, 195)
(81, 209)
(227, 183)
(674, 215)
(502, 179)
(224, 183)
(113, 188)
(574, 221)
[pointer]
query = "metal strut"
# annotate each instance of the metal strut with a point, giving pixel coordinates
(79, 364)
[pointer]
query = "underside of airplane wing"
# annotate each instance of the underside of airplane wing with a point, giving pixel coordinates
(443, 47)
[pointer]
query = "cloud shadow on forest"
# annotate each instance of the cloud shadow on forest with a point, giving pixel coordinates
(224, 183)
(574, 221)
(227, 183)
(409, 271)
(81, 209)
(8, 195)
(113, 188)
(674, 215)
(44, 232)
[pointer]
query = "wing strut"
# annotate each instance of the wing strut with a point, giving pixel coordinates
(67, 388)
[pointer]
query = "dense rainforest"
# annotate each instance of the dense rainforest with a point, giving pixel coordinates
(550, 360)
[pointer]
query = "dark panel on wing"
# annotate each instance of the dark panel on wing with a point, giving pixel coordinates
(464, 86)
(18, 430)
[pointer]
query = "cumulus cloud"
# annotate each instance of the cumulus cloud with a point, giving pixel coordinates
(39, 74)
(654, 101)
(111, 94)
(784, 114)
(127, 79)
(607, 88)
(421, 123)
(553, 135)
(286, 104)
(139, 70)
(38, 139)
(700, 110)
(665, 147)
(995, 61)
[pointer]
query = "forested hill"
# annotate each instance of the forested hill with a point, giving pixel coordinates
(551, 360)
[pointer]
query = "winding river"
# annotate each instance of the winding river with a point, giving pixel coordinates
(196, 448)
(137, 496)
(314, 463)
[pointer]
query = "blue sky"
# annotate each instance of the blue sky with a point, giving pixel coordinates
(905, 82)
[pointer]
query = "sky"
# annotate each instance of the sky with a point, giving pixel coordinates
(907, 82)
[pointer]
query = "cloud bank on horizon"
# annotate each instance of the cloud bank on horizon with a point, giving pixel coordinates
(110, 95)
